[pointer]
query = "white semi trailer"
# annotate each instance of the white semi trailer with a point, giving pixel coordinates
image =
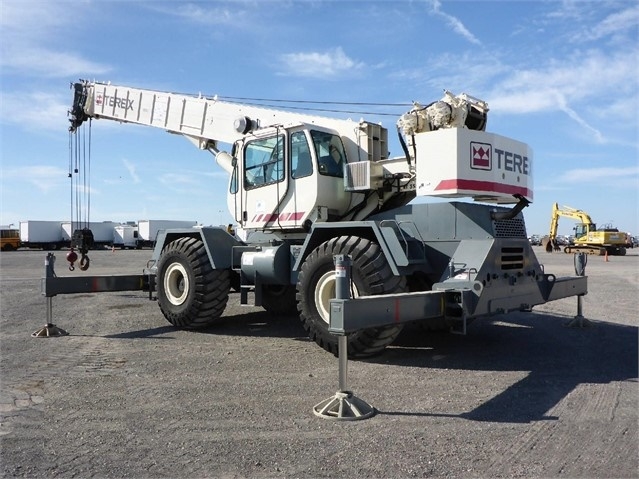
(125, 236)
(46, 235)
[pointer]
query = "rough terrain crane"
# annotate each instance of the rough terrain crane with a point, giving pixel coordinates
(588, 239)
(306, 188)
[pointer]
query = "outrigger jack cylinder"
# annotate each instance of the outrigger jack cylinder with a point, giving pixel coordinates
(343, 405)
(579, 321)
(49, 329)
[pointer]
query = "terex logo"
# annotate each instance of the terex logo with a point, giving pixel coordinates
(481, 156)
(509, 161)
(114, 101)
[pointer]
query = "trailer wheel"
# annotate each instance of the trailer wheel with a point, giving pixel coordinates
(191, 294)
(371, 275)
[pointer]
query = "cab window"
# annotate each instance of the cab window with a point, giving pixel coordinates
(264, 162)
(301, 161)
(330, 153)
(234, 185)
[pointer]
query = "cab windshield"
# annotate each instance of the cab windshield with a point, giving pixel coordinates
(330, 153)
(264, 162)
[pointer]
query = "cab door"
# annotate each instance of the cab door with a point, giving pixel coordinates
(260, 179)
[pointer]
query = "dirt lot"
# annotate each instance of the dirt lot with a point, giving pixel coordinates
(126, 395)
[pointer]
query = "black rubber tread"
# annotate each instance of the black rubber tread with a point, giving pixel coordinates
(210, 293)
(279, 300)
(371, 274)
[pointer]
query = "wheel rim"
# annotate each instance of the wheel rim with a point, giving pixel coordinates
(325, 291)
(176, 284)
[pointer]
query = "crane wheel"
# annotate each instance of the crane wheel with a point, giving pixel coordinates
(191, 294)
(371, 275)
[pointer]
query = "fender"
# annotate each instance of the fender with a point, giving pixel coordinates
(221, 247)
(382, 232)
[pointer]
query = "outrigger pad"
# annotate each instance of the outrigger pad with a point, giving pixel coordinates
(49, 331)
(343, 406)
(578, 322)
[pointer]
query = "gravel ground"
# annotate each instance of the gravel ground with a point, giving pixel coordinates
(127, 395)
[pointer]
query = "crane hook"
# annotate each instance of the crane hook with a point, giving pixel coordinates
(84, 262)
(72, 257)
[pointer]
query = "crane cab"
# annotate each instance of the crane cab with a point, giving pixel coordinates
(288, 178)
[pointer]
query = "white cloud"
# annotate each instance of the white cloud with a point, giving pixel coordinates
(469, 72)
(35, 110)
(595, 88)
(563, 106)
(599, 175)
(173, 179)
(453, 22)
(329, 64)
(45, 178)
(43, 62)
(613, 24)
(29, 32)
(567, 10)
(84, 191)
(19, 16)
(196, 13)
(132, 171)
(587, 87)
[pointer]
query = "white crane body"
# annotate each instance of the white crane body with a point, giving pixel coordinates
(303, 188)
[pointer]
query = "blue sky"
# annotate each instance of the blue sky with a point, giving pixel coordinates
(562, 76)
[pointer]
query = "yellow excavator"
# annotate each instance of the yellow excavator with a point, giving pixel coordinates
(588, 238)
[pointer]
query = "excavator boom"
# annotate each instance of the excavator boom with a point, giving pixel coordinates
(588, 238)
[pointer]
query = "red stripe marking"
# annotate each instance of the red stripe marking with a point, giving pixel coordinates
(488, 186)
(265, 217)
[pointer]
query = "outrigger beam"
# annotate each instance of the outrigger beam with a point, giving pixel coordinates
(51, 285)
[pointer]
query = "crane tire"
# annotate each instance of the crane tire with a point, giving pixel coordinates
(279, 300)
(371, 275)
(191, 294)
